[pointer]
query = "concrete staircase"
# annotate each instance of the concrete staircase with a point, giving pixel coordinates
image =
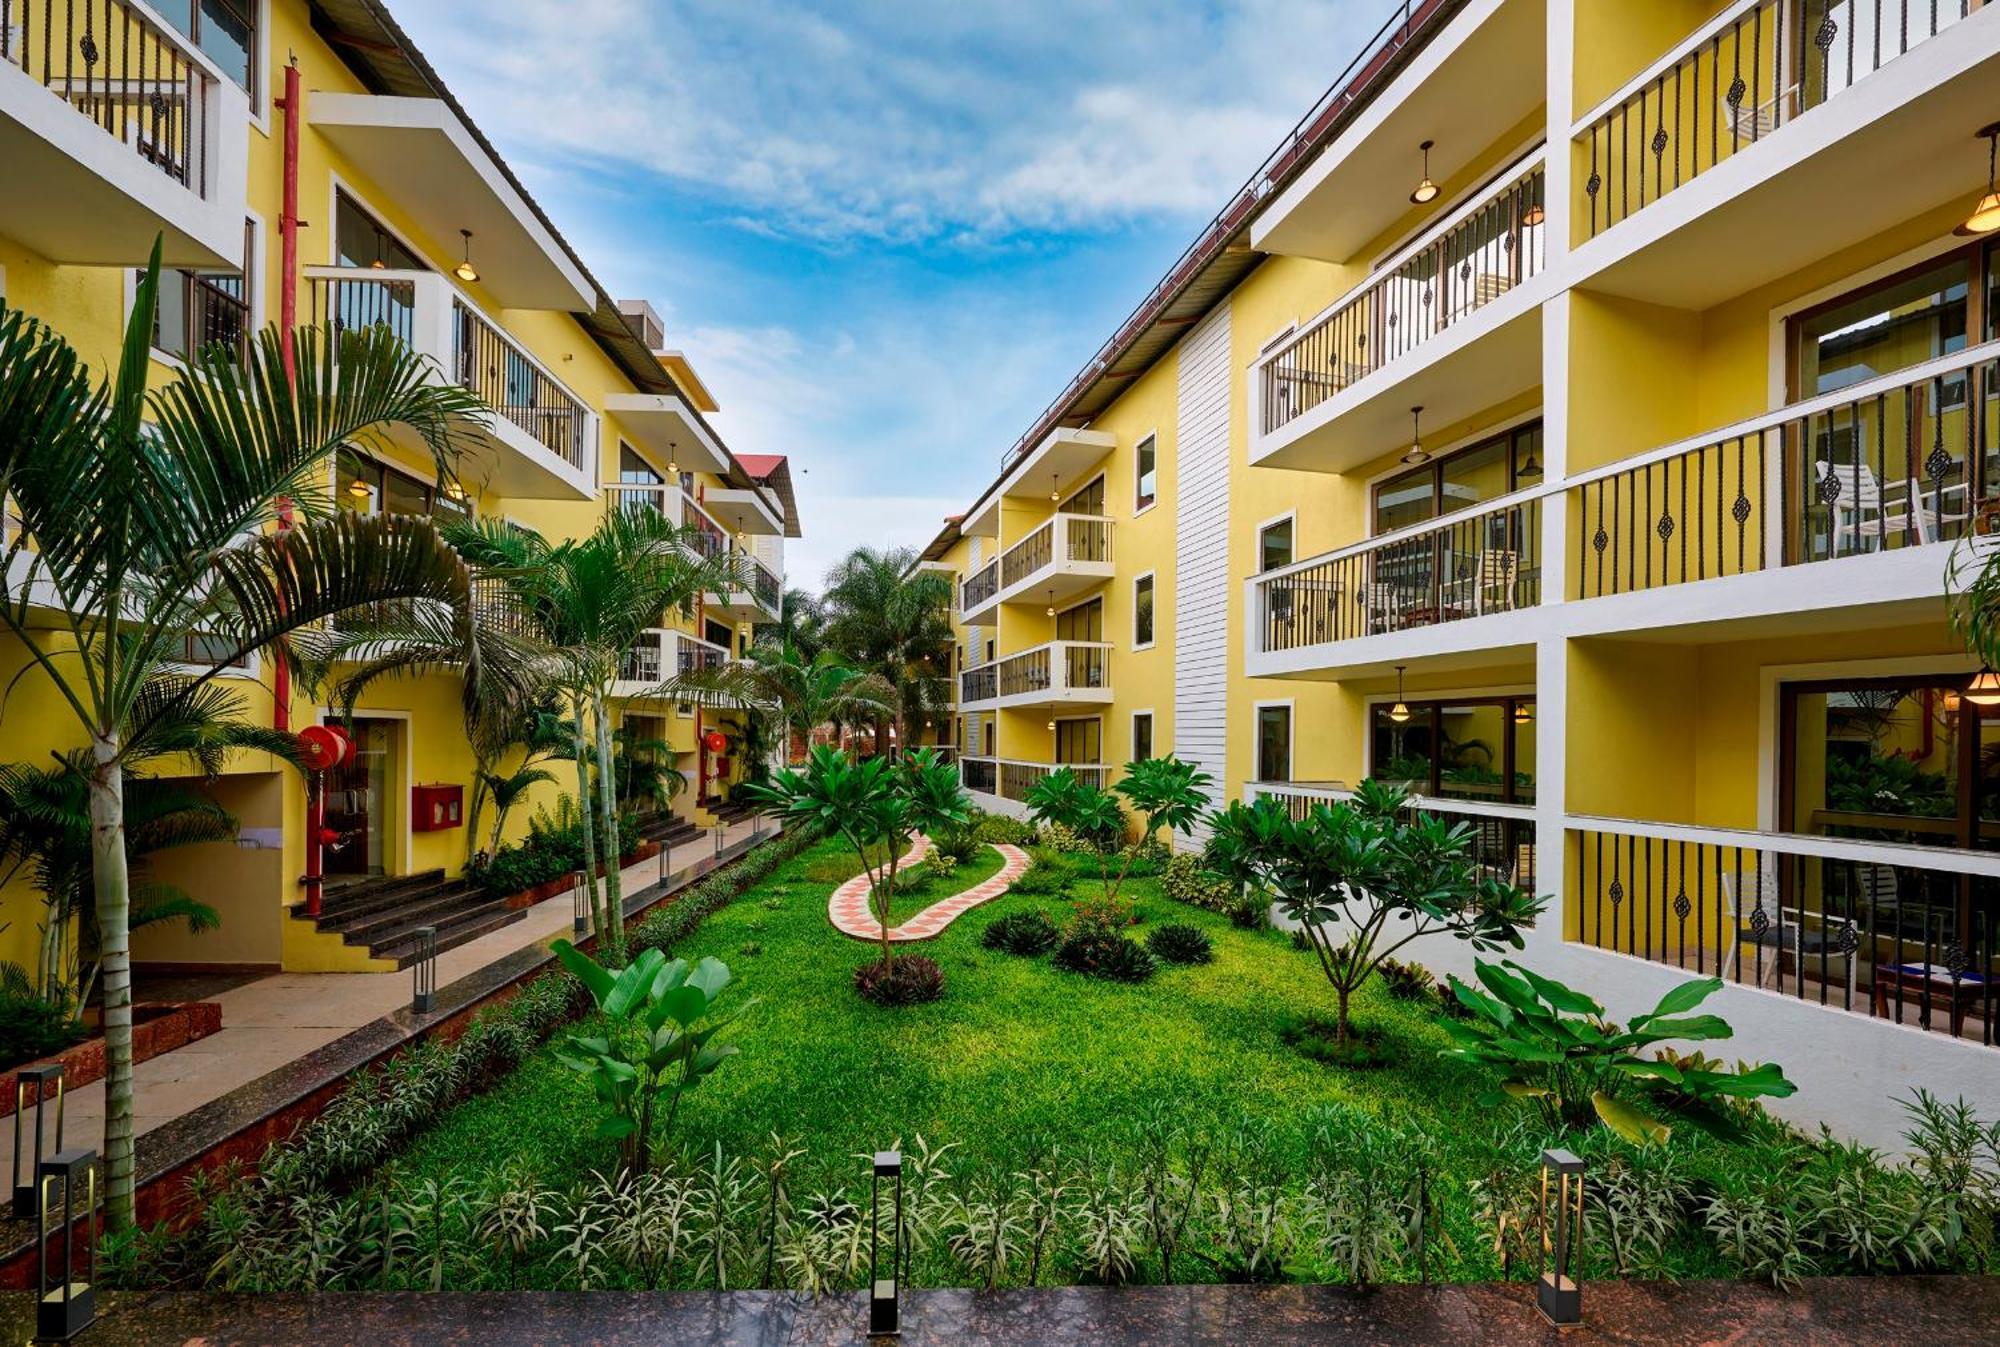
(384, 914)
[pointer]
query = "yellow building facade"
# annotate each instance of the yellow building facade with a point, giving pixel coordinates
(1574, 420)
(132, 123)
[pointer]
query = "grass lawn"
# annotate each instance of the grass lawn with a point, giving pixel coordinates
(1018, 1054)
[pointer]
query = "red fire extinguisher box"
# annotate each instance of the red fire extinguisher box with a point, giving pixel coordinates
(435, 808)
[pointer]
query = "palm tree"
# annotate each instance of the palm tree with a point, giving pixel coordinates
(889, 618)
(589, 601)
(542, 735)
(778, 683)
(145, 521)
(45, 830)
(801, 626)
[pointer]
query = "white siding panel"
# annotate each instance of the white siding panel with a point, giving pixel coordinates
(1201, 553)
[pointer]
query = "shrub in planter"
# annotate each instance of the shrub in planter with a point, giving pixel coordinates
(31, 1027)
(910, 979)
(1181, 944)
(1026, 933)
(1098, 954)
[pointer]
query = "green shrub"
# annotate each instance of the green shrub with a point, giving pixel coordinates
(1185, 881)
(955, 845)
(1000, 829)
(1149, 859)
(1060, 837)
(1026, 933)
(1181, 944)
(911, 979)
(1408, 981)
(1099, 954)
(31, 1027)
(1048, 876)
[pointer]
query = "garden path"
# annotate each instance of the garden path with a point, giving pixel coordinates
(848, 910)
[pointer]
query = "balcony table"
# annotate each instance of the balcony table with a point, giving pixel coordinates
(1932, 985)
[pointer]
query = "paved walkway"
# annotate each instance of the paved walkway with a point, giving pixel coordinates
(1834, 1312)
(848, 908)
(273, 1020)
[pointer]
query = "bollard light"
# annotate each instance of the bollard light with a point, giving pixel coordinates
(66, 1191)
(579, 906)
(720, 829)
(39, 1079)
(885, 1293)
(424, 971)
(1557, 1292)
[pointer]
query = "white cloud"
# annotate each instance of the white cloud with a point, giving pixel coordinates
(911, 121)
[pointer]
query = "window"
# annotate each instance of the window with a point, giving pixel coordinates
(1461, 480)
(1274, 545)
(1142, 735)
(226, 32)
(1080, 741)
(1909, 318)
(1274, 743)
(199, 309)
(366, 486)
(1142, 612)
(1146, 474)
(1467, 748)
(1085, 622)
(359, 240)
(204, 651)
(1088, 499)
(634, 470)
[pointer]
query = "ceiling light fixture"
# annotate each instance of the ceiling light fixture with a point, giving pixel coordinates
(1985, 217)
(1400, 712)
(1417, 453)
(359, 489)
(465, 271)
(1051, 612)
(1984, 689)
(1426, 191)
(1055, 489)
(1533, 216)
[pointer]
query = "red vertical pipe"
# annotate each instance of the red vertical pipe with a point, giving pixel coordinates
(288, 319)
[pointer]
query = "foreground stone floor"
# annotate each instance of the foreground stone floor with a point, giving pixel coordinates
(1826, 1312)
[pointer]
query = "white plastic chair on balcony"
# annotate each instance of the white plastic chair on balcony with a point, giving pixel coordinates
(1490, 587)
(1748, 123)
(1382, 607)
(1936, 508)
(1863, 518)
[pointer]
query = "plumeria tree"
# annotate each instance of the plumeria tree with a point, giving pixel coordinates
(1160, 792)
(1363, 878)
(877, 805)
(151, 515)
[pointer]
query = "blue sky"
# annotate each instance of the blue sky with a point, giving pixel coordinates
(886, 234)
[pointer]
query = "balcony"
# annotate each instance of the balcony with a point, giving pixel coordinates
(1833, 502)
(1461, 74)
(762, 597)
(1450, 324)
(1010, 779)
(1053, 675)
(115, 130)
(664, 654)
(1403, 595)
(1066, 555)
(1890, 930)
(541, 442)
(1777, 134)
(1504, 845)
(418, 153)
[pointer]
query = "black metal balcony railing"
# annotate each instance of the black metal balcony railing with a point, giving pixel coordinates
(979, 588)
(1469, 261)
(1898, 932)
(486, 362)
(692, 653)
(641, 663)
(1472, 564)
(127, 74)
(980, 774)
(979, 685)
(1895, 462)
(765, 586)
(362, 301)
(1748, 71)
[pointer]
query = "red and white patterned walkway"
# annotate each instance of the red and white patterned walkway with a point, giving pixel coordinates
(848, 910)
